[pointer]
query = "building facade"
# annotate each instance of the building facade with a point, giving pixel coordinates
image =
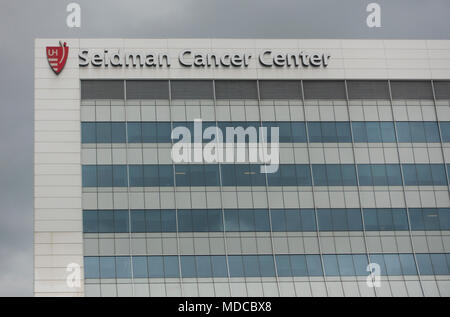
(358, 206)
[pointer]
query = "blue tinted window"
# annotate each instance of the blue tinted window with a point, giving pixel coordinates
(107, 267)
(204, 267)
(330, 265)
(149, 132)
(298, 131)
(300, 265)
(118, 133)
(266, 265)
(440, 265)
(424, 264)
(171, 266)
(105, 221)
(444, 218)
(235, 265)
(123, 267)
(408, 264)
(314, 265)
(283, 265)
(103, 132)
(121, 221)
(219, 266)
(168, 220)
(90, 221)
(140, 267)
(346, 266)
(138, 221)
(136, 175)
(360, 263)
(134, 132)
(392, 263)
(91, 267)
(88, 132)
(188, 266)
(445, 131)
(89, 175)
(251, 267)
(155, 266)
(262, 223)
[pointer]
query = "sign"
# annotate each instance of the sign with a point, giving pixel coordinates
(57, 56)
(189, 58)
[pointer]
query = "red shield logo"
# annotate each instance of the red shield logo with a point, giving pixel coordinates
(57, 56)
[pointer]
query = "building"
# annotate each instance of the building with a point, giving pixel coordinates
(364, 131)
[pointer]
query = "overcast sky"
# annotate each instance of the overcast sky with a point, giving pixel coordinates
(21, 21)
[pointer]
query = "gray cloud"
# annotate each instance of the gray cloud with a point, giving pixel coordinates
(23, 21)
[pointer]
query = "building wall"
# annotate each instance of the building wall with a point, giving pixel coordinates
(59, 154)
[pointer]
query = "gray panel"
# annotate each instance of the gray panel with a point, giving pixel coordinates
(442, 89)
(147, 89)
(411, 89)
(324, 89)
(236, 89)
(368, 89)
(102, 89)
(280, 89)
(192, 89)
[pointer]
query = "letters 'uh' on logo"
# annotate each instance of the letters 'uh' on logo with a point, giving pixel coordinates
(57, 56)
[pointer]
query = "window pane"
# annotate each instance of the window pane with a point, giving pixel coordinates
(140, 267)
(91, 267)
(107, 267)
(219, 265)
(123, 267)
(90, 221)
(155, 266)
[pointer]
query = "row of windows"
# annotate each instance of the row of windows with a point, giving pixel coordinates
(249, 175)
(289, 132)
(293, 265)
(260, 220)
(268, 89)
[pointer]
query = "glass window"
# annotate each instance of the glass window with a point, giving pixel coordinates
(140, 266)
(330, 265)
(262, 223)
(138, 221)
(105, 221)
(219, 266)
(123, 267)
(171, 267)
(387, 132)
(91, 267)
(298, 132)
(200, 221)
(204, 267)
(301, 265)
(215, 223)
(303, 172)
(107, 267)
(188, 266)
(251, 267)
(118, 134)
(231, 220)
(359, 132)
(121, 221)
(445, 130)
(246, 220)
(89, 175)
(153, 221)
(283, 265)
(103, 132)
(424, 264)
(165, 175)
(360, 262)
(90, 221)
(185, 220)
(278, 218)
(266, 265)
(293, 220)
(168, 220)
(136, 175)
(439, 262)
(149, 132)
(314, 265)
(308, 219)
(155, 266)
(134, 132)
(444, 218)
(408, 265)
(392, 263)
(120, 178)
(88, 132)
(235, 265)
(346, 266)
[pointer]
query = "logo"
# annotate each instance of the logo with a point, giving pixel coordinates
(57, 56)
